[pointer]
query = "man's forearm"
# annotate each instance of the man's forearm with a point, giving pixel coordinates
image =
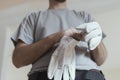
(27, 54)
(99, 54)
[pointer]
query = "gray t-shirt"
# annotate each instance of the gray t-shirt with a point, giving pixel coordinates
(38, 25)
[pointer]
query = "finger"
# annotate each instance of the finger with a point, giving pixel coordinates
(94, 42)
(58, 74)
(52, 67)
(81, 26)
(65, 73)
(77, 37)
(70, 32)
(92, 26)
(93, 34)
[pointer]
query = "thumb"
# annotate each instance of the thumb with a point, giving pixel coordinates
(95, 42)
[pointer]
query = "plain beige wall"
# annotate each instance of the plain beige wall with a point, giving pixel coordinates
(111, 25)
(10, 18)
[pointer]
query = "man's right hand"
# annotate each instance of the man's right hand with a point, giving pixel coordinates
(72, 32)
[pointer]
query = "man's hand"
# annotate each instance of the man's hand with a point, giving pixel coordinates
(76, 34)
(25, 54)
(92, 34)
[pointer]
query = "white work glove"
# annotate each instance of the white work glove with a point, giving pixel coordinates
(53, 69)
(69, 60)
(93, 34)
(63, 60)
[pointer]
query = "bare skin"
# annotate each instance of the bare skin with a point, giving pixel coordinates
(99, 54)
(27, 54)
(24, 54)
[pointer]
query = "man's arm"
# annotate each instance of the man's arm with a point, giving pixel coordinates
(99, 54)
(27, 54)
(24, 54)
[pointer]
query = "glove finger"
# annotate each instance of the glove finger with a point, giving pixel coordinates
(81, 26)
(93, 34)
(58, 74)
(53, 64)
(92, 26)
(65, 73)
(71, 67)
(52, 67)
(94, 42)
(72, 71)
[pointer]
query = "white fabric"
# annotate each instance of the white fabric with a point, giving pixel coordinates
(63, 60)
(93, 34)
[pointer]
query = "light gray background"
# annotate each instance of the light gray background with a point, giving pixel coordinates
(106, 12)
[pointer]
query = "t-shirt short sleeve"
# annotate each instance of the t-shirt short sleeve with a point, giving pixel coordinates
(87, 17)
(25, 30)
